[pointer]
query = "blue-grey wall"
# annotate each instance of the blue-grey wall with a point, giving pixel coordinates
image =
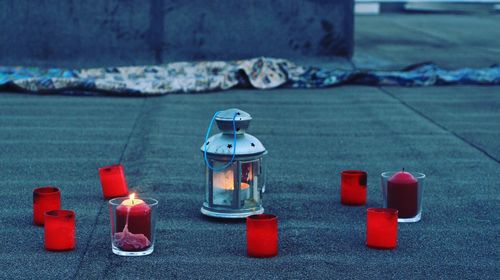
(83, 33)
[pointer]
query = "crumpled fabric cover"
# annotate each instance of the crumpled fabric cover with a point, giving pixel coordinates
(259, 73)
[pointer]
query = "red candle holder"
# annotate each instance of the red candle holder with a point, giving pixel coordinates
(262, 236)
(59, 230)
(113, 181)
(45, 199)
(353, 185)
(382, 228)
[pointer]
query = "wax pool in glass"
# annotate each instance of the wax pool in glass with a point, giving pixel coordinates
(262, 235)
(133, 223)
(45, 199)
(403, 190)
(353, 187)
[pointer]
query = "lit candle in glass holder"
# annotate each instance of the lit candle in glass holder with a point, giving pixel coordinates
(133, 223)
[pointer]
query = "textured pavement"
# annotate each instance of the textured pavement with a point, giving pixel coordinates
(449, 133)
(394, 41)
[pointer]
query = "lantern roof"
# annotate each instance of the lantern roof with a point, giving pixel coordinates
(221, 144)
(224, 121)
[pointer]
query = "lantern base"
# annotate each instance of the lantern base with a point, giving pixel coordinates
(231, 213)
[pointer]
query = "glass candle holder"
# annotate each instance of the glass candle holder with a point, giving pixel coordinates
(59, 230)
(403, 190)
(133, 224)
(262, 236)
(353, 185)
(113, 181)
(45, 199)
(381, 228)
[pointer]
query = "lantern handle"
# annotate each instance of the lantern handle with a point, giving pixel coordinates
(206, 140)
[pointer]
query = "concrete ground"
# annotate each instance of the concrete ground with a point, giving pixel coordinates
(449, 133)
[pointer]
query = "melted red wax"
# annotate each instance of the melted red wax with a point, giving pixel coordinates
(129, 241)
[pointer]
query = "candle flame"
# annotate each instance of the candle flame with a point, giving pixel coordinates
(132, 201)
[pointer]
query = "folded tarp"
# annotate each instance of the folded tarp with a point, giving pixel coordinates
(259, 73)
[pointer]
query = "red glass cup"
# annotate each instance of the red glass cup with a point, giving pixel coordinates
(45, 199)
(113, 181)
(262, 236)
(353, 185)
(59, 230)
(382, 228)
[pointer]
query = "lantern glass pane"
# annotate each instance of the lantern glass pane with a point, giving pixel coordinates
(208, 174)
(223, 184)
(250, 176)
(247, 181)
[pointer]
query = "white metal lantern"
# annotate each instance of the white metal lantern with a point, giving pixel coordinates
(235, 170)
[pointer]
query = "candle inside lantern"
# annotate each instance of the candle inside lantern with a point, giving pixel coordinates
(113, 181)
(402, 194)
(353, 187)
(381, 228)
(133, 225)
(223, 183)
(59, 230)
(262, 235)
(45, 199)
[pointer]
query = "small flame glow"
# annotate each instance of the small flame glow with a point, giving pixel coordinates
(132, 197)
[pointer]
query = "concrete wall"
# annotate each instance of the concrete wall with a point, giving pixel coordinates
(83, 33)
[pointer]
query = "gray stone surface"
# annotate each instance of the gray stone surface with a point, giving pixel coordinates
(311, 135)
(113, 32)
(60, 141)
(472, 113)
(395, 41)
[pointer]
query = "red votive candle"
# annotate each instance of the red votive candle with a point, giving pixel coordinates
(45, 199)
(262, 236)
(59, 230)
(402, 194)
(353, 187)
(138, 215)
(113, 181)
(382, 228)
